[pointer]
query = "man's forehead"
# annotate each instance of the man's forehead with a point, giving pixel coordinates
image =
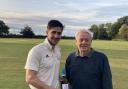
(84, 34)
(55, 29)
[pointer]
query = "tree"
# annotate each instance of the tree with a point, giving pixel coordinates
(4, 29)
(117, 25)
(115, 29)
(94, 29)
(102, 34)
(108, 27)
(123, 31)
(27, 32)
(123, 20)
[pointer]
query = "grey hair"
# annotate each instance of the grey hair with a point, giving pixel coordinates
(84, 30)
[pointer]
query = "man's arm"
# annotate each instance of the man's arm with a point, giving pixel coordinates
(107, 76)
(31, 78)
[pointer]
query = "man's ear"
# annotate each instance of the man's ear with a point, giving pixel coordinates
(47, 32)
(91, 40)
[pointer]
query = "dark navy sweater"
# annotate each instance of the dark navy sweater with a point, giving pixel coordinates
(89, 72)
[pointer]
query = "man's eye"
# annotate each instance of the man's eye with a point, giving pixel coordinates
(53, 32)
(81, 40)
(86, 40)
(59, 33)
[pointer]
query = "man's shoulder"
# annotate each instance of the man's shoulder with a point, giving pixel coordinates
(72, 54)
(99, 54)
(38, 47)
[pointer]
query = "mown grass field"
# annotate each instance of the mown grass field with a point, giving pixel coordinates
(13, 53)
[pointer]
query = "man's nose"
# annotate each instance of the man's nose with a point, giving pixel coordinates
(57, 36)
(83, 41)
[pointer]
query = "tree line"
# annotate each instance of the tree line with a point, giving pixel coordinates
(105, 31)
(108, 31)
(26, 32)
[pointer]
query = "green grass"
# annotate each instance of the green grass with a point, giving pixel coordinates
(13, 53)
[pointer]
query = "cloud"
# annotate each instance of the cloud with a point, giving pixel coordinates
(74, 14)
(40, 18)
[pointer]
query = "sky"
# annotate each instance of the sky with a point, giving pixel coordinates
(74, 14)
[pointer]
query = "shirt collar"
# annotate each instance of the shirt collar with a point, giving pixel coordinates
(48, 44)
(88, 55)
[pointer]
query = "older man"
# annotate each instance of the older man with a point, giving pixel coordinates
(87, 68)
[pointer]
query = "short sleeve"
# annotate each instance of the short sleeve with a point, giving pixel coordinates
(33, 60)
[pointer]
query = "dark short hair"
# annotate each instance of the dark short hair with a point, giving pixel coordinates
(54, 23)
